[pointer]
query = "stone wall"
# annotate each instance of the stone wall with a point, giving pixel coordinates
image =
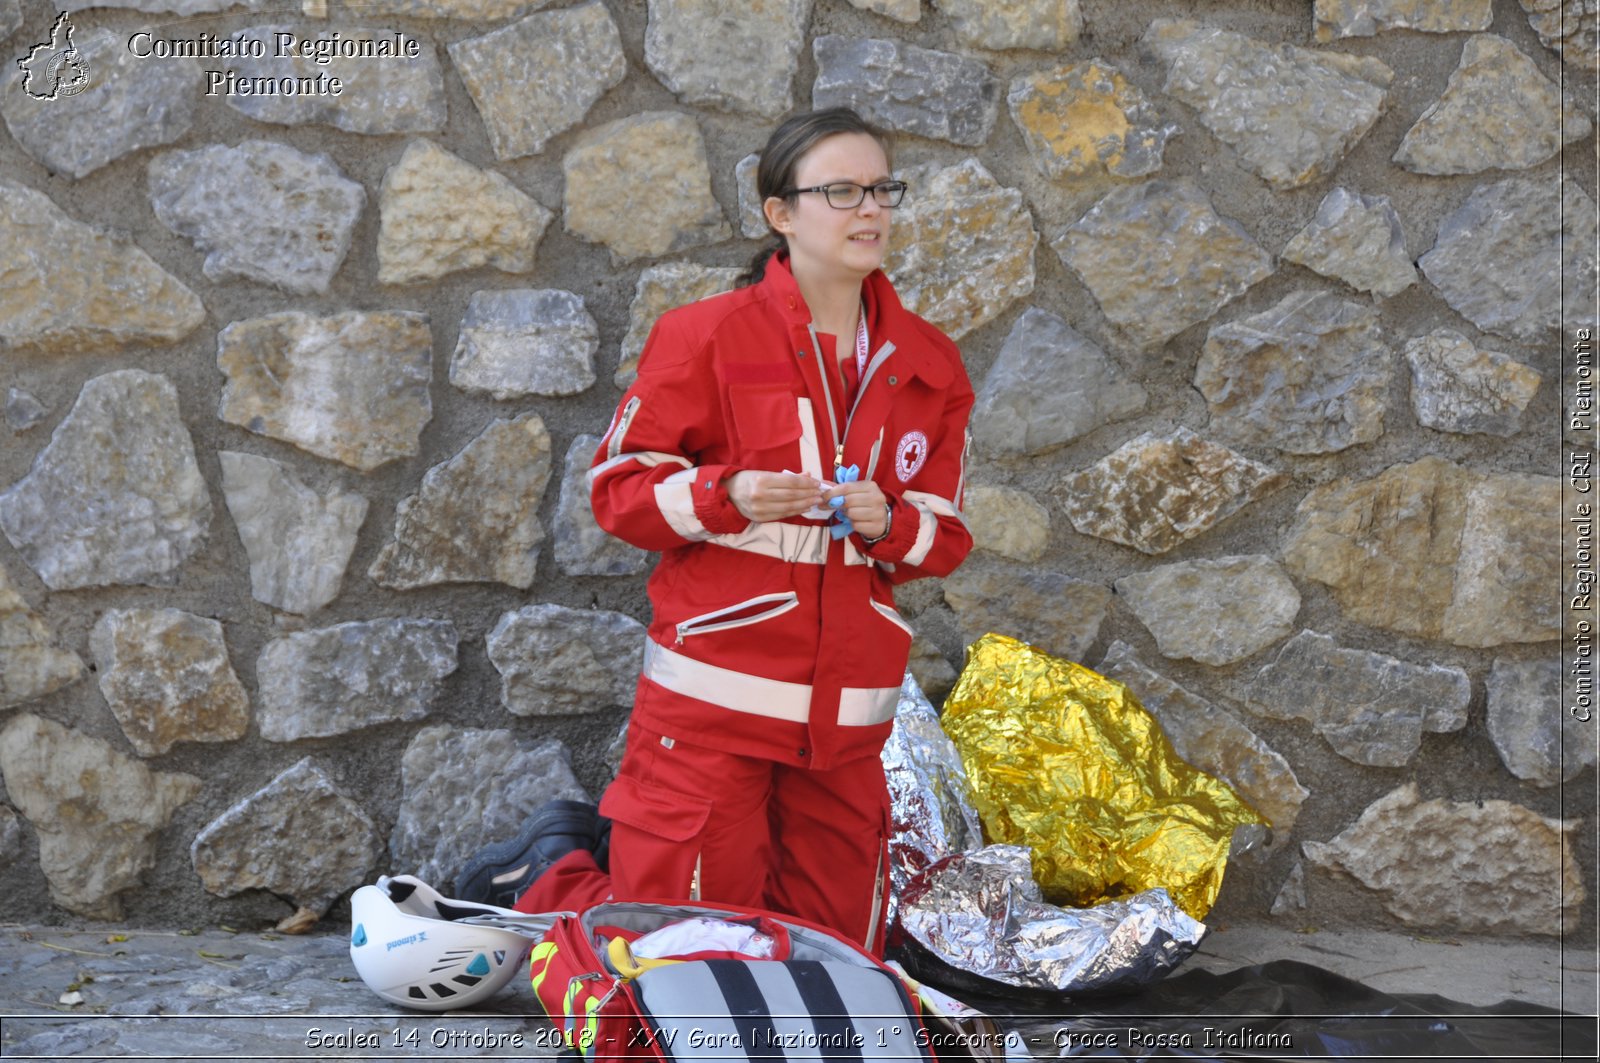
(1263, 301)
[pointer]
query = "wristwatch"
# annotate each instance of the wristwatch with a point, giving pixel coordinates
(888, 523)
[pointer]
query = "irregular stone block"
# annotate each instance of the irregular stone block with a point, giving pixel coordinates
(23, 410)
(1056, 613)
(298, 539)
(166, 675)
(1423, 547)
(538, 77)
(1567, 27)
(261, 843)
(116, 496)
(930, 670)
(391, 92)
(129, 103)
(476, 517)
(106, 295)
(465, 10)
(1155, 492)
(1048, 386)
(31, 665)
(1459, 387)
(1214, 740)
(312, 684)
(1497, 112)
(899, 10)
(350, 387)
(753, 62)
(1086, 118)
(1414, 856)
(963, 249)
(1514, 253)
(172, 7)
(1528, 730)
(555, 661)
(1356, 239)
(659, 289)
(482, 783)
(914, 90)
(752, 221)
(260, 210)
(1289, 112)
(441, 214)
(10, 822)
(1215, 611)
(98, 813)
(582, 547)
(1291, 896)
(1044, 25)
(1006, 521)
(642, 187)
(1310, 375)
(525, 342)
(1158, 258)
(1371, 708)
(1334, 19)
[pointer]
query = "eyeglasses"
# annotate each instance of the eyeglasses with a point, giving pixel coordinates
(847, 195)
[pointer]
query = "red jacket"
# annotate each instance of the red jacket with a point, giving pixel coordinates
(774, 639)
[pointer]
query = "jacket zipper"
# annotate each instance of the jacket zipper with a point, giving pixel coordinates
(614, 447)
(701, 625)
(827, 393)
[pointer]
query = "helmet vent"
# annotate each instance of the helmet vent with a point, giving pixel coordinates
(466, 980)
(416, 993)
(442, 990)
(499, 957)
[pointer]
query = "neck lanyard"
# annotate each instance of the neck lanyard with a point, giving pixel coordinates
(861, 343)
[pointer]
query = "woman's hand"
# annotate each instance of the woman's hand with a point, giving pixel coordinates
(864, 504)
(764, 496)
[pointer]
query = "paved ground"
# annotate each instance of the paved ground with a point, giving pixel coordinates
(97, 993)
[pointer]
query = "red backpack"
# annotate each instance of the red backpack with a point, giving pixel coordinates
(805, 994)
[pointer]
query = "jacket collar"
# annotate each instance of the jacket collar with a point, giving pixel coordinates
(887, 319)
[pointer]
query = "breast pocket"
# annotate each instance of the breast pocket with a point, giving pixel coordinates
(765, 417)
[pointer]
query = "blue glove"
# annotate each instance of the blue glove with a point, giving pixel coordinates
(842, 475)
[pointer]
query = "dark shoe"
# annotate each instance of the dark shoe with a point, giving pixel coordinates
(500, 873)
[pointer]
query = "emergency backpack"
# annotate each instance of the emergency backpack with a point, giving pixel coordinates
(785, 990)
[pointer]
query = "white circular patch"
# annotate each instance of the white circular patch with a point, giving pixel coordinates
(910, 455)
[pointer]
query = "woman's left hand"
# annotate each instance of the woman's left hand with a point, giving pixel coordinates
(865, 505)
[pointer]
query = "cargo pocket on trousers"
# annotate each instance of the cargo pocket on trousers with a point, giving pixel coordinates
(657, 848)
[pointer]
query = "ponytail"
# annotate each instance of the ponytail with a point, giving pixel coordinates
(758, 265)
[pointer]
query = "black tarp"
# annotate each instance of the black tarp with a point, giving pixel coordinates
(1283, 1010)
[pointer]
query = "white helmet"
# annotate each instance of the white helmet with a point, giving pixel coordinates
(418, 949)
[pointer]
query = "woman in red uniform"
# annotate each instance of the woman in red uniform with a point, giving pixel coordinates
(794, 448)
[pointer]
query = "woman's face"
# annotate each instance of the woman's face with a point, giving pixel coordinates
(826, 242)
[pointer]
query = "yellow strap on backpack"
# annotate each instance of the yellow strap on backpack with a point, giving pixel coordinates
(629, 966)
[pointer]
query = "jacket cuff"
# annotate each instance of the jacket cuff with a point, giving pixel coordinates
(712, 506)
(902, 532)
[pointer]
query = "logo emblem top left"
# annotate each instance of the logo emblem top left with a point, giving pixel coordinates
(55, 68)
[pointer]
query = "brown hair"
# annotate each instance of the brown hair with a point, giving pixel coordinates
(787, 145)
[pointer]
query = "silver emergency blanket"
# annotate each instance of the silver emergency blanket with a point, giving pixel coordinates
(931, 810)
(979, 910)
(983, 913)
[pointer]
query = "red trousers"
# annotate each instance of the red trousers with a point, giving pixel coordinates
(694, 823)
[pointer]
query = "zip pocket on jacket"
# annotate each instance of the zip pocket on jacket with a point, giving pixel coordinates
(713, 621)
(892, 616)
(624, 419)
